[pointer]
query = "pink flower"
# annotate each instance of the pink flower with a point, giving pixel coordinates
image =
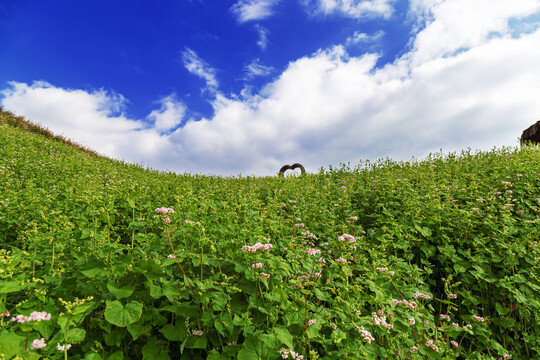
(445, 317)
(414, 349)
(38, 344)
(422, 295)
(452, 296)
(171, 256)
(321, 261)
(478, 318)
(196, 332)
(341, 260)
(265, 275)
(257, 265)
(257, 246)
(166, 220)
(164, 210)
(63, 347)
(313, 252)
(454, 343)
(311, 322)
(412, 321)
(34, 316)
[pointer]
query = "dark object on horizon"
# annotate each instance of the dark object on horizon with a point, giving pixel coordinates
(531, 134)
(291, 167)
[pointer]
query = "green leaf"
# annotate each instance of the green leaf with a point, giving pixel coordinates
(284, 336)
(500, 309)
(139, 328)
(118, 315)
(196, 342)
(121, 293)
(248, 352)
(76, 335)
(92, 356)
(153, 350)
(176, 332)
(10, 344)
(117, 355)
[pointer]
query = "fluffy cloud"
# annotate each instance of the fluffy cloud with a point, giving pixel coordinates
(93, 119)
(197, 66)
(169, 115)
(351, 8)
(475, 86)
(248, 10)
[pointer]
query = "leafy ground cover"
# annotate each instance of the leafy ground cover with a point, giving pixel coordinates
(433, 259)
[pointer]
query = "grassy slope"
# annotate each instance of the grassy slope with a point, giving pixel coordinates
(455, 215)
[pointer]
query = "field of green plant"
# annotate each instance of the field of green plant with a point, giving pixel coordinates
(432, 259)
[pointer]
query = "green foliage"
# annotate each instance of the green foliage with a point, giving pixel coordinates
(80, 239)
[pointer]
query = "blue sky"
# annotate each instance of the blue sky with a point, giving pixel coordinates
(222, 87)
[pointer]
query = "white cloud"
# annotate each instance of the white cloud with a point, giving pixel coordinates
(263, 36)
(360, 37)
(475, 90)
(88, 118)
(249, 10)
(255, 68)
(351, 8)
(458, 25)
(169, 115)
(197, 66)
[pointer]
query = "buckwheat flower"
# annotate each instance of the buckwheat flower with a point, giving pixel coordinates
(313, 252)
(412, 321)
(414, 349)
(311, 322)
(454, 343)
(478, 318)
(435, 348)
(333, 326)
(429, 343)
(171, 256)
(38, 344)
(166, 220)
(63, 347)
(4, 314)
(366, 334)
(507, 356)
(468, 326)
(422, 295)
(321, 261)
(257, 265)
(299, 225)
(380, 312)
(341, 260)
(395, 301)
(455, 325)
(391, 273)
(353, 218)
(265, 275)
(426, 322)
(452, 296)
(196, 332)
(445, 317)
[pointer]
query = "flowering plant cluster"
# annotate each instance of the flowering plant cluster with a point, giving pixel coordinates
(360, 266)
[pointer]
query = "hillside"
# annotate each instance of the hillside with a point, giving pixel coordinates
(423, 259)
